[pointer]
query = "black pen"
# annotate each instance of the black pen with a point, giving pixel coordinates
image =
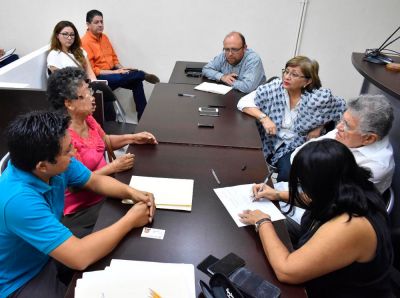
(216, 106)
(186, 94)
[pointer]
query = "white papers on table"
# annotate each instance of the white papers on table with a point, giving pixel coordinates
(7, 54)
(238, 198)
(169, 193)
(213, 88)
(126, 279)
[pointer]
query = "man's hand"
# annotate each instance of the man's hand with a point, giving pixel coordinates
(123, 163)
(145, 197)
(139, 214)
(229, 79)
(144, 138)
(2, 52)
(121, 70)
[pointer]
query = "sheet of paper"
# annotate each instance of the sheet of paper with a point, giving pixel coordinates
(168, 193)
(125, 278)
(213, 88)
(238, 198)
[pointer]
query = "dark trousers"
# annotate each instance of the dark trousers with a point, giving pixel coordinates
(132, 80)
(283, 166)
(46, 284)
(10, 59)
(81, 223)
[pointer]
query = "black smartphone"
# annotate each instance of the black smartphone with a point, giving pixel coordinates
(205, 125)
(227, 265)
(207, 262)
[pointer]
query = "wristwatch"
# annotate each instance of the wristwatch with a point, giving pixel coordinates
(261, 117)
(260, 222)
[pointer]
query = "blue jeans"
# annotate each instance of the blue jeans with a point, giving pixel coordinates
(283, 166)
(132, 80)
(10, 59)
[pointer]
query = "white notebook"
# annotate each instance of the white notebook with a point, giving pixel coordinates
(168, 193)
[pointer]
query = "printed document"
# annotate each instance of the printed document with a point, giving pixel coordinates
(238, 198)
(168, 193)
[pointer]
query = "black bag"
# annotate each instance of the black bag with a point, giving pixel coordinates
(220, 287)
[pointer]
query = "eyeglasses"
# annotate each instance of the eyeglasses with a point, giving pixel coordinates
(88, 95)
(345, 125)
(232, 50)
(68, 35)
(293, 75)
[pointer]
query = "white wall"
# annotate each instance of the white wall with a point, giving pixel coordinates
(152, 35)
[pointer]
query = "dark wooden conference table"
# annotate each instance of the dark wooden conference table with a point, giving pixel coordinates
(183, 152)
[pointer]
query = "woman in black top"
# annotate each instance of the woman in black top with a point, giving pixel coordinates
(345, 248)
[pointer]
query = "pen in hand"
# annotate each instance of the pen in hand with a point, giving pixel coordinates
(262, 186)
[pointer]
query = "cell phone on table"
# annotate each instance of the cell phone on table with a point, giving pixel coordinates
(206, 111)
(207, 262)
(227, 265)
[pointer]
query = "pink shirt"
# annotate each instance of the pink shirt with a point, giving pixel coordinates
(90, 151)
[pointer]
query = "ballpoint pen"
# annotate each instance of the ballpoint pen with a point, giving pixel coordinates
(186, 94)
(271, 170)
(215, 176)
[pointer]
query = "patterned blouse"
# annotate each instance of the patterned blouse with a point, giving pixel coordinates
(314, 109)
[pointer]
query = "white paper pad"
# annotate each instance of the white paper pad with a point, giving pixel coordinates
(168, 193)
(213, 88)
(238, 198)
(134, 279)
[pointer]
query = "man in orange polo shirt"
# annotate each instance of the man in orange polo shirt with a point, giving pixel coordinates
(106, 65)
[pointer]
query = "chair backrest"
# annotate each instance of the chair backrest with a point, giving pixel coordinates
(98, 114)
(4, 162)
(388, 196)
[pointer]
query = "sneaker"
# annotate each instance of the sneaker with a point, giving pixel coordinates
(151, 78)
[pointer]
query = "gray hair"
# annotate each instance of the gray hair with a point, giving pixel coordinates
(63, 84)
(374, 113)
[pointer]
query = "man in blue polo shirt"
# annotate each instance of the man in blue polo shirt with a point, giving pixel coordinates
(31, 205)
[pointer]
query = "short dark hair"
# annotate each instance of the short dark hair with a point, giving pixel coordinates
(63, 84)
(330, 177)
(35, 137)
(91, 14)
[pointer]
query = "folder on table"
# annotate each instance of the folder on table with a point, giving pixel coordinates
(169, 193)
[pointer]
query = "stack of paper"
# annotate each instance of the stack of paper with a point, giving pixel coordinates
(127, 279)
(238, 198)
(168, 193)
(7, 54)
(213, 88)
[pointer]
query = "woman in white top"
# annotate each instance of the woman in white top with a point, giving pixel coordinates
(66, 50)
